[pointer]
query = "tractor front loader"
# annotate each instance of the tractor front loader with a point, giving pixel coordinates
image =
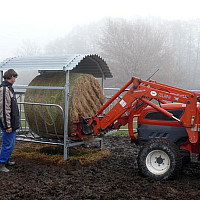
(168, 125)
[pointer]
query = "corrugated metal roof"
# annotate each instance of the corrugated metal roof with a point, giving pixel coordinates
(80, 63)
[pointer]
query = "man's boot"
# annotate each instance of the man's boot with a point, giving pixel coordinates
(3, 168)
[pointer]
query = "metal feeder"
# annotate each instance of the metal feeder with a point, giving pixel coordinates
(76, 63)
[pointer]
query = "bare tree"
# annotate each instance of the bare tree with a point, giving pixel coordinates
(28, 48)
(184, 38)
(138, 47)
(135, 48)
(80, 40)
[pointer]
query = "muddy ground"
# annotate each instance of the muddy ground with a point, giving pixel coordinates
(113, 177)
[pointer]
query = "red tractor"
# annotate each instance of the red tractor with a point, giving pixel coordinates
(168, 125)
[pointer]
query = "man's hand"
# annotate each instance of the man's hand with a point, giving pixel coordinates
(9, 130)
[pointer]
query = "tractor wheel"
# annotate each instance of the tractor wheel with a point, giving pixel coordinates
(159, 159)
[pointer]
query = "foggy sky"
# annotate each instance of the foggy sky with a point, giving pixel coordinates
(42, 21)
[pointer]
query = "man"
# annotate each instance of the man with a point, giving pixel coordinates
(9, 119)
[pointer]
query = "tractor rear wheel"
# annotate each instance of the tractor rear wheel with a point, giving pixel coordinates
(159, 159)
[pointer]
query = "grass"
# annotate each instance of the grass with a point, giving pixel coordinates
(51, 150)
(125, 132)
(120, 133)
(54, 153)
(58, 150)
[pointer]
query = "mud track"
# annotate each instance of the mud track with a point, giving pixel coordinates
(114, 177)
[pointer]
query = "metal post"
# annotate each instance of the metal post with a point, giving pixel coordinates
(103, 78)
(1, 77)
(101, 144)
(66, 145)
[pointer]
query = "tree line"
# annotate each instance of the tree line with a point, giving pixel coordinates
(136, 47)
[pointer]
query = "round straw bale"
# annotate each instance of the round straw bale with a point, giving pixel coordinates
(85, 97)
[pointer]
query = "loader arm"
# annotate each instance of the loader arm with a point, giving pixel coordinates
(140, 95)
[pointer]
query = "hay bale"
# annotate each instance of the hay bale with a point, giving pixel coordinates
(86, 97)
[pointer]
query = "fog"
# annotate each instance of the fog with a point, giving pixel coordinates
(135, 37)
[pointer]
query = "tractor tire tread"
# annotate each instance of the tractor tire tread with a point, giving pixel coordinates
(168, 147)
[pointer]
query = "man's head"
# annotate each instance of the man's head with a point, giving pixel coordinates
(10, 75)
